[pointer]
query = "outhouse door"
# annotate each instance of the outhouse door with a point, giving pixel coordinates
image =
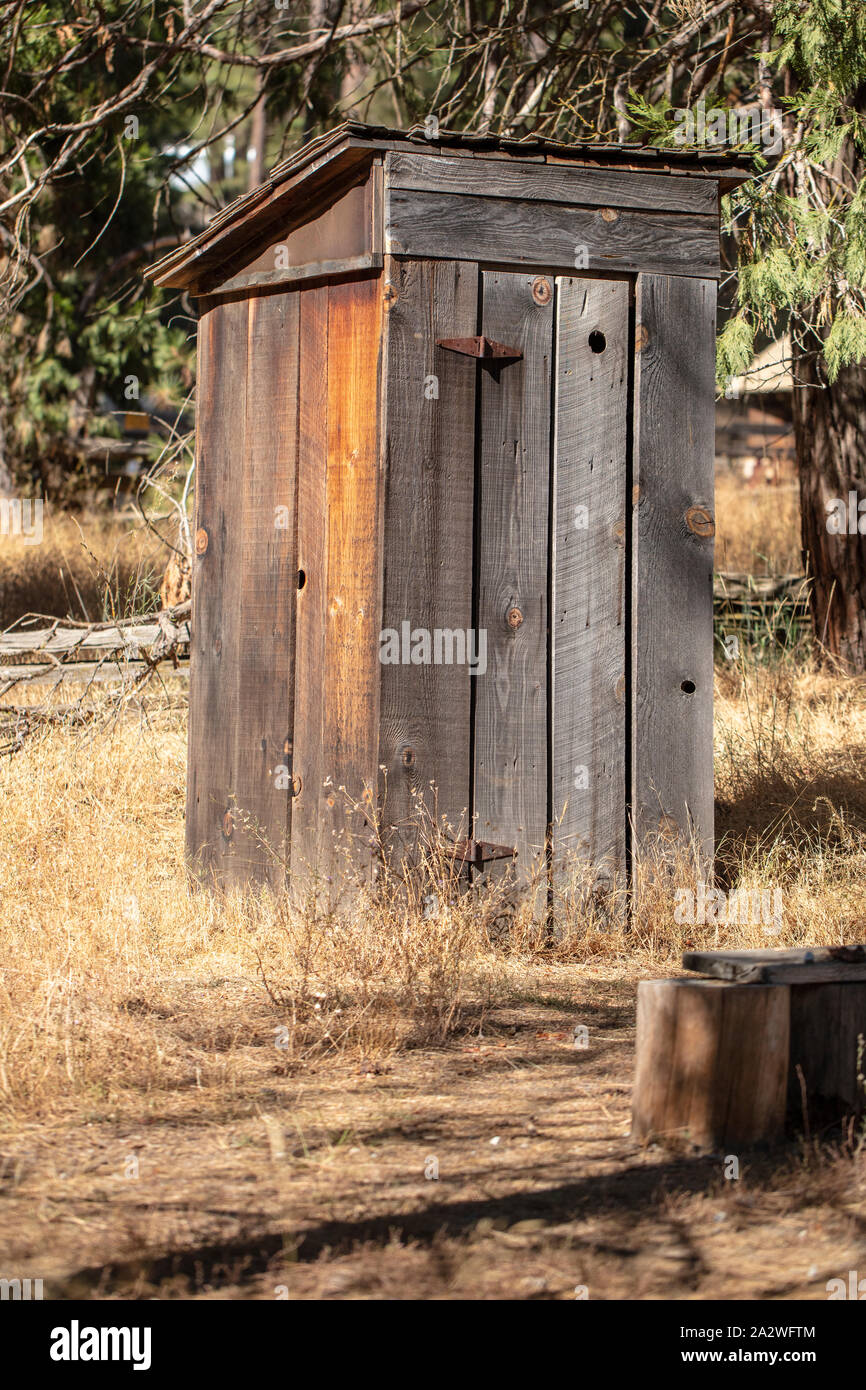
(549, 764)
(559, 504)
(506, 492)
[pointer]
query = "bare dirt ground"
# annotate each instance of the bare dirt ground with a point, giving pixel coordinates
(321, 1184)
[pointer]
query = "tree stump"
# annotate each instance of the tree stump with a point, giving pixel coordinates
(712, 1062)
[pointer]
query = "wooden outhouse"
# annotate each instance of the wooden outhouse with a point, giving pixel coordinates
(454, 503)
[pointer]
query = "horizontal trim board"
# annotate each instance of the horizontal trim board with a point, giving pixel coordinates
(315, 270)
(558, 183)
(470, 228)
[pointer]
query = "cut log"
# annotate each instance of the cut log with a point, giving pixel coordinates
(828, 1031)
(712, 1063)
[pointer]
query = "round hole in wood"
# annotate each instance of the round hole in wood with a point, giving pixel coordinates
(688, 687)
(597, 341)
(302, 578)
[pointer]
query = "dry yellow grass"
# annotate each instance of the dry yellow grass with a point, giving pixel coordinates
(119, 982)
(757, 529)
(90, 567)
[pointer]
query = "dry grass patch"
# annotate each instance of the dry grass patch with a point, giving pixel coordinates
(89, 567)
(118, 977)
(757, 529)
(119, 984)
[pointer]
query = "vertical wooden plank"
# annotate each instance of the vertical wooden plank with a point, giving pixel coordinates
(428, 537)
(588, 577)
(510, 787)
(672, 565)
(351, 684)
(240, 687)
(308, 769)
(261, 772)
(216, 619)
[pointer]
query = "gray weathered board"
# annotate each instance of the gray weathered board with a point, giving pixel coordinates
(672, 563)
(821, 964)
(59, 639)
(589, 576)
(515, 232)
(511, 793)
(546, 183)
(425, 738)
(108, 671)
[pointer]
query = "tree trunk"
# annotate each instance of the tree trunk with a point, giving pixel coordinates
(830, 431)
(7, 482)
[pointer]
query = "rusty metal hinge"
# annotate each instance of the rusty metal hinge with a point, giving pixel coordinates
(479, 851)
(480, 347)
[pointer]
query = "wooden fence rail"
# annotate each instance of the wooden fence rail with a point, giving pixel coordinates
(125, 651)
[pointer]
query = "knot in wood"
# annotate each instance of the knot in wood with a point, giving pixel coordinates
(228, 825)
(541, 290)
(700, 520)
(641, 337)
(514, 618)
(408, 757)
(609, 215)
(201, 541)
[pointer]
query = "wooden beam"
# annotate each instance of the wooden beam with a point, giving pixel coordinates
(284, 279)
(557, 183)
(822, 964)
(517, 232)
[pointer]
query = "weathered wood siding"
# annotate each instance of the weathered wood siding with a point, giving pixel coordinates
(243, 611)
(338, 584)
(513, 506)
(425, 749)
(551, 183)
(308, 822)
(515, 231)
(672, 562)
(283, 376)
(588, 564)
(350, 679)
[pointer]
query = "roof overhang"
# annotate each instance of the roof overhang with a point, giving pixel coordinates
(298, 187)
